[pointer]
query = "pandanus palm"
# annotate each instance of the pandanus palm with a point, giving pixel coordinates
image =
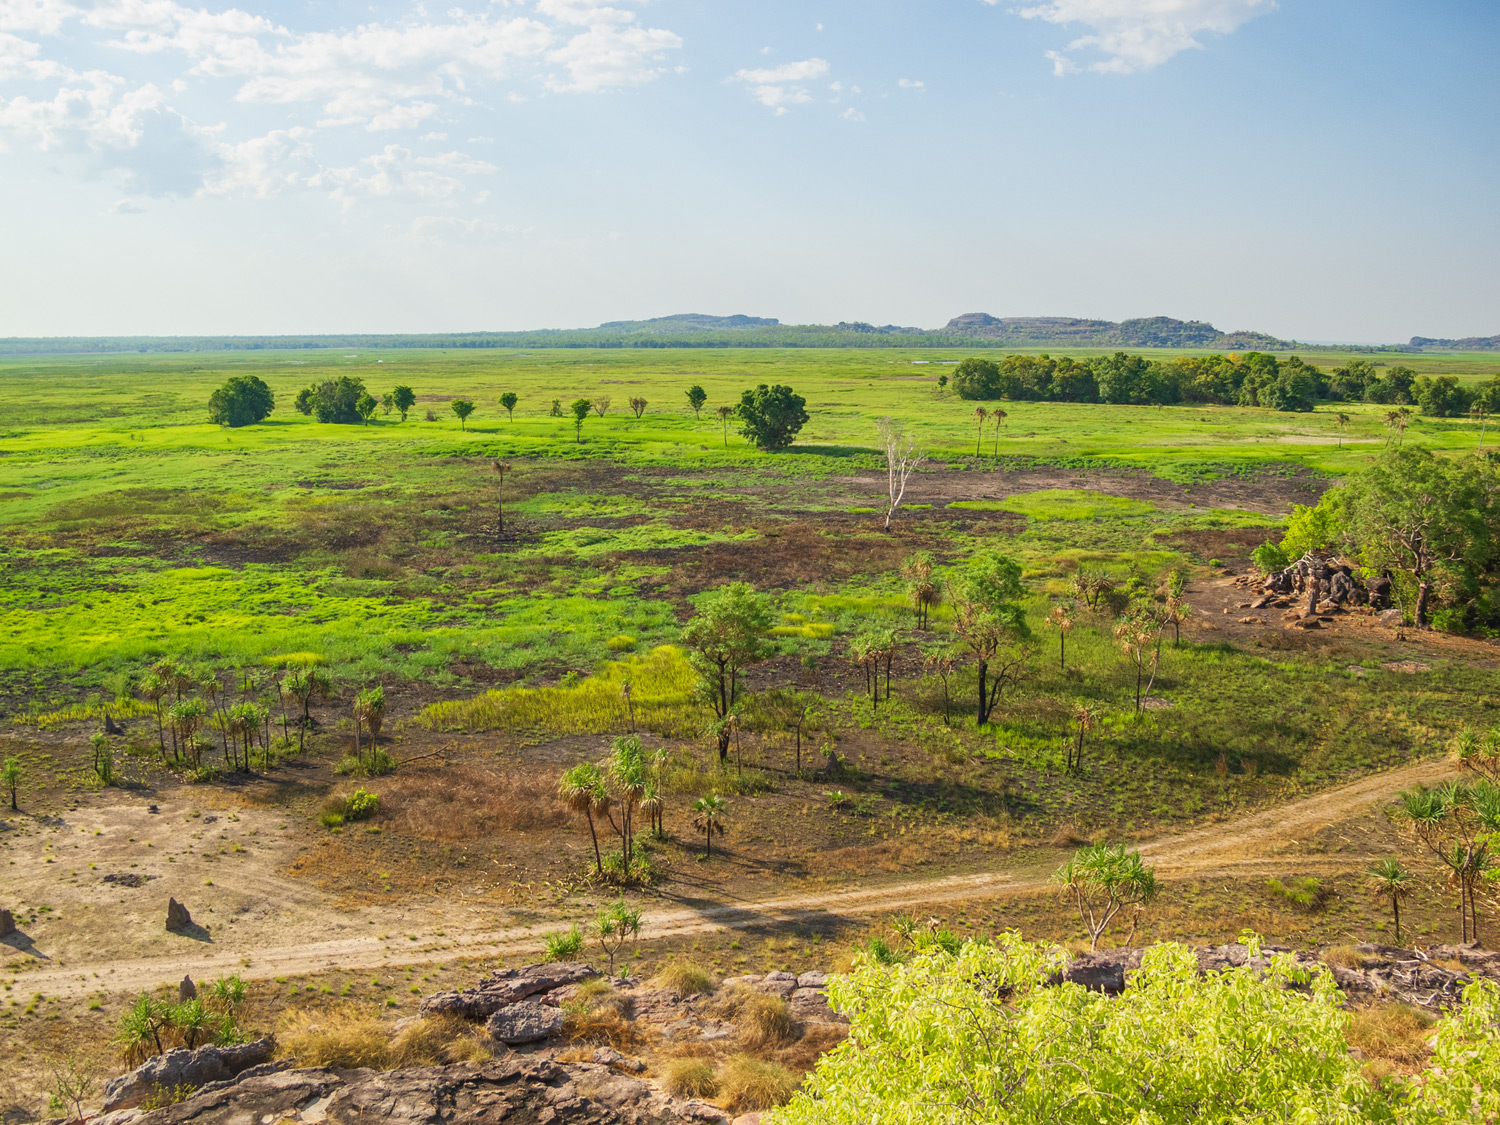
(1393, 884)
(582, 790)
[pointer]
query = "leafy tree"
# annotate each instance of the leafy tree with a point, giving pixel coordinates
(242, 401)
(1313, 528)
(1270, 559)
(696, 397)
(333, 400)
(10, 777)
(637, 406)
(387, 403)
(727, 635)
(463, 408)
(615, 925)
(771, 416)
(366, 407)
(725, 413)
(627, 777)
(708, 812)
(556, 410)
(582, 790)
(1442, 397)
(601, 404)
(404, 399)
(1103, 880)
(991, 624)
(1342, 422)
(1433, 521)
(1392, 884)
(508, 400)
(983, 1036)
(977, 379)
(580, 410)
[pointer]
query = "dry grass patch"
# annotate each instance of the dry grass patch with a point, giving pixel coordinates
(599, 1014)
(1344, 957)
(748, 1084)
(684, 979)
(345, 1035)
(437, 1040)
(764, 1021)
(690, 1078)
(815, 1041)
(461, 803)
(1394, 1034)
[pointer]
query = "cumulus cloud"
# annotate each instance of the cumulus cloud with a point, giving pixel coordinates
(780, 86)
(393, 76)
(1136, 35)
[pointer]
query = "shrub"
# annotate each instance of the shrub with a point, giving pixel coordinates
(343, 808)
(690, 1078)
(341, 1036)
(684, 979)
(1269, 558)
(435, 1040)
(564, 946)
(620, 643)
(749, 1085)
(378, 764)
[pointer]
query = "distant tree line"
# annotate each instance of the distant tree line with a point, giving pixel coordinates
(1253, 379)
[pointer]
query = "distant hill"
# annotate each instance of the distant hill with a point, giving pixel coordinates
(689, 322)
(1467, 344)
(1146, 332)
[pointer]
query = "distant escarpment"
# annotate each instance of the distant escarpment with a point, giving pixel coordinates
(1144, 332)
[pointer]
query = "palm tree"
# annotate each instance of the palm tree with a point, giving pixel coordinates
(500, 468)
(709, 809)
(980, 413)
(1341, 421)
(1390, 881)
(998, 417)
(1061, 619)
(581, 789)
(653, 804)
(1479, 411)
(725, 413)
(1087, 718)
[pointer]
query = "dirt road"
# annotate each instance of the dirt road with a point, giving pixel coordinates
(1248, 845)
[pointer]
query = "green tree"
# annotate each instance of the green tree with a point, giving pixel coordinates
(333, 400)
(463, 408)
(242, 401)
(991, 624)
(366, 407)
(977, 379)
(1103, 880)
(387, 403)
(1431, 520)
(1442, 396)
(725, 413)
(615, 925)
(10, 776)
(727, 635)
(508, 400)
(771, 416)
(696, 397)
(1457, 822)
(582, 790)
(1392, 884)
(707, 819)
(304, 685)
(580, 411)
(985, 1036)
(404, 399)
(626, 774)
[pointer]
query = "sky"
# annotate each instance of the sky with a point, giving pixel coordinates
(1324, 170)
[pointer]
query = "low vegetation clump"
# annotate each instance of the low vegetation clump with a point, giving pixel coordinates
(344, 808)
(684, 979)
(564, 946)
(438, 1041)
(690, 1078)
(748, 1084)
(151, 1027)
(1397, 1034)
(1303, 892)
(338, 1035)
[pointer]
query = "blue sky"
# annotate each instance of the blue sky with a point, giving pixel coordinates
(1322, 169)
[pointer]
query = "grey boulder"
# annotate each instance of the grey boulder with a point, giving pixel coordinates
(183, 1068)
(525, 1021)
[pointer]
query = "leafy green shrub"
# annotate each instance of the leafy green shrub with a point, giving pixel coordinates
(341, 808)
(1269, 558)
(564, 946)
(378, 764)
(620, 643)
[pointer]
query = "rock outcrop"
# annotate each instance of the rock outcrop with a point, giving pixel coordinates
(525, 1021)
(510, 1090)
(181, 1068)
(504, 987)
(178, 918)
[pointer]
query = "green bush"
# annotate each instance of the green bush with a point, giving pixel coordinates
(1269, 558)
(564, 946)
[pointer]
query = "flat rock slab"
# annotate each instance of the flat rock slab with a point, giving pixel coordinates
(525, 1021)
(183, 1068)
(503, 987)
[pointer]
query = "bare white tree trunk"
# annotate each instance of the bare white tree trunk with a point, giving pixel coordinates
(903, 454)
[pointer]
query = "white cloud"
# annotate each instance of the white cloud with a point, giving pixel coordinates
(609, 55)
(911, 84)
(852, 114)
(780, 86)
(1136, 35)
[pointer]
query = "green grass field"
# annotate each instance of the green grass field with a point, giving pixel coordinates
(134, 529)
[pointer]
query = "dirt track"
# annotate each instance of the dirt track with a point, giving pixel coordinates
(1243, 846)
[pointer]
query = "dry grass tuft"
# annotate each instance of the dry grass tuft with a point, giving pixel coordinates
(690, 1078)
(748, 1085)
(1067, 836)
(438, 1040)
(344, 1036)
(684, 979)
(817, 1039)
(1392, 1033)
(1344, 957)
(461, 803)
(765, 1021)
(599, 1014)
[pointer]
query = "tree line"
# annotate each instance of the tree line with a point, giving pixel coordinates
(1252, 379)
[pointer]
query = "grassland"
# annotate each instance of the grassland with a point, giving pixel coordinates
(131, 530)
